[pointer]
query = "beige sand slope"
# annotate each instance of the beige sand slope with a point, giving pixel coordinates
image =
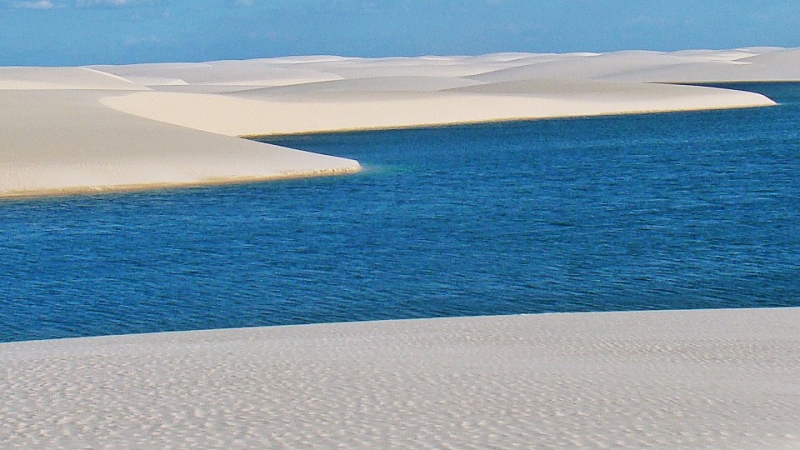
(64, 141)
(58, 138)
(724, 379)
(105, 127)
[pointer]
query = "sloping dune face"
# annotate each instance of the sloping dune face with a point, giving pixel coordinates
(58, 138)
(65, 141)
(122, 127)
(46, 78)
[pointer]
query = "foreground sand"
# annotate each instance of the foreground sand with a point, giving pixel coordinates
(668, 380)
(80, 129)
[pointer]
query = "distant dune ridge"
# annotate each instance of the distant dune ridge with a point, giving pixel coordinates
(78, 129)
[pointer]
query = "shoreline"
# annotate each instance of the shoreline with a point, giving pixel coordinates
(433, 126)
(376, 323)
(124, 189)
(263, 116)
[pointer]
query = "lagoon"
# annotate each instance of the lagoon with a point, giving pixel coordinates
(668, 211)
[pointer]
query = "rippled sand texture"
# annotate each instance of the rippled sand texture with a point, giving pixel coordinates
(670, 380)
(77, 129)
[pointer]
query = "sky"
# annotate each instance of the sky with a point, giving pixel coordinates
(83, 32)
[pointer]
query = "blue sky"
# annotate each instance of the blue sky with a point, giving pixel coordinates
(76, 32)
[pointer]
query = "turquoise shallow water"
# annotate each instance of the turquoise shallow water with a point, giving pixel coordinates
(671, 211)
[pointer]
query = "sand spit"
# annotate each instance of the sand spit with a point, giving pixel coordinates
(79, 129)
(65, 141)
(669, 380)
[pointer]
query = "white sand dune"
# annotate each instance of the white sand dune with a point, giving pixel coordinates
(255, 72)
(46, 78)
(515, 57)
(584, 67)
(94, 128)
(253, 114)
(682, 67)
(65, 141)
(716, 55)
(395, 68)
(724, 379)
(781, 65)
(376, 84)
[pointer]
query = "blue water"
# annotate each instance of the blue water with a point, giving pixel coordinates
(671, 211)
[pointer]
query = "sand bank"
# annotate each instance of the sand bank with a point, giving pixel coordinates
(264, 113)
(65, 141)
(128, 127)
(673, 379)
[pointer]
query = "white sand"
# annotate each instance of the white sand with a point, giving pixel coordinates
(65, 141)
(95, 128)
(668, 380)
